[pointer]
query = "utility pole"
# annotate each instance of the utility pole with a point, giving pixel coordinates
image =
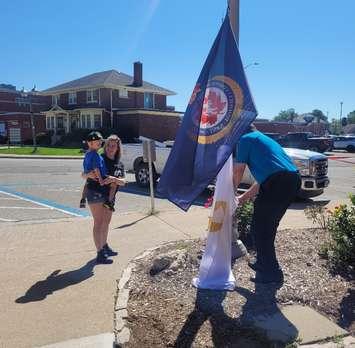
(33, 125)
(341, 116)
(233, 6)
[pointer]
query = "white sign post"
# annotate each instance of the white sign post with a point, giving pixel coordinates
(149, 155)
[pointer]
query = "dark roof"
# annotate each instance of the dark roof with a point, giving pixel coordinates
(109, 78)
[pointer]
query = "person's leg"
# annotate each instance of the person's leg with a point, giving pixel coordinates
(112, 192)
(96, 211)
(105, 228)
(276, 197)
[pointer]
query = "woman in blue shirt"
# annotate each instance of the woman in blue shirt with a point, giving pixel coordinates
(277, 184)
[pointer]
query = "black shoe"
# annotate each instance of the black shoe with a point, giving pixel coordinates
(109, 205)
(101, 258)
(108, 251)
(277, 277)
(83, 203)
(254, 266)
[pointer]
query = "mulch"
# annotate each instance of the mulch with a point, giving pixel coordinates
(165, 310)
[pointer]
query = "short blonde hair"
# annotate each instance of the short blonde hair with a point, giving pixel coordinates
(115, 138)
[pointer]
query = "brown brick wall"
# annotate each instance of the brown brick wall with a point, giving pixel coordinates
(24, 122)
(8, 103)
(160, 102)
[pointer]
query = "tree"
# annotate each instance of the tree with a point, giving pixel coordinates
(286, 115)
(335, 127)
(351, 117)
(318, 115)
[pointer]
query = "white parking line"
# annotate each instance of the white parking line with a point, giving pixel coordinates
(8, 220)
(35, 208)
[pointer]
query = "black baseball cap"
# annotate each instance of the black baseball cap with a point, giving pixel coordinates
(94, 136)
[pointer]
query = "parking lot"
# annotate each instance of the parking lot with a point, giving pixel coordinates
(46, 189)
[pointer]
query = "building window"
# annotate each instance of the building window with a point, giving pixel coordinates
(92, 96)
(149, 100)
(55, 99)
(60, 122)
(72, 98)
(50, 122)
(97, 121)
(123, 93)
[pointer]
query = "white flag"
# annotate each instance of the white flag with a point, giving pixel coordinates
(215, 269)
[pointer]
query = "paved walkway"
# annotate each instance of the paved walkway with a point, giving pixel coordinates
(51, 289)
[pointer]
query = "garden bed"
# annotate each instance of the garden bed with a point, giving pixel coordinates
(165, 310)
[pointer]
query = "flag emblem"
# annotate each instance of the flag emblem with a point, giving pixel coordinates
(222, 103)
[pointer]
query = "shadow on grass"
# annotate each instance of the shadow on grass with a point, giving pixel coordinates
(56, 281)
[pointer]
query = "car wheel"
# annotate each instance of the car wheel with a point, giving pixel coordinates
(142, 175)
(350, 148)
(305, 194)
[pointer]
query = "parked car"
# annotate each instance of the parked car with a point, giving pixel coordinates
(306, 141)
(312, 166)
(345, 142)
(275, 136)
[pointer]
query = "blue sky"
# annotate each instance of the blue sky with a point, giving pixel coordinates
(305, 48)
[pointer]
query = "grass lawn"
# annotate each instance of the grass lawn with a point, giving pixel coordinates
(45, 151)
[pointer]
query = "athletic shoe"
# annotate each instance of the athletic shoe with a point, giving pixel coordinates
(101, 258)
(109, 205)
(83, 203)
(254, 266)
(277, 277)
(108, 251)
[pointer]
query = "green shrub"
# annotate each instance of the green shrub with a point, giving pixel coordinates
(339, 223)
(242, 223)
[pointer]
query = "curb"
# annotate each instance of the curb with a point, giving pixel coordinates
(40, 157)
(121, 330)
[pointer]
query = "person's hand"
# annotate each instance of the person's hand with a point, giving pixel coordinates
(92, 175)
(242, 199)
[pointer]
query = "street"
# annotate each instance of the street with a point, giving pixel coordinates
(46, 189)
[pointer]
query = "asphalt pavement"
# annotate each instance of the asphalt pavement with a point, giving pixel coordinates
(47, 189)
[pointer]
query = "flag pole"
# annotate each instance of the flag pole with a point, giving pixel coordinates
(234, 17)
(238, 248)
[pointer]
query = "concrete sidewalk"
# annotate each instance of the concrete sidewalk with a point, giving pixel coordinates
(52, 291)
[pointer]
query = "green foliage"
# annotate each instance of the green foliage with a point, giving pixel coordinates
(335, 127)
(242, 222)
(286, 115)
(318, 115)
(351, 117)
(339, 223)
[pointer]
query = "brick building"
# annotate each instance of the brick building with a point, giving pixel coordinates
(15, 115)
(128, 105)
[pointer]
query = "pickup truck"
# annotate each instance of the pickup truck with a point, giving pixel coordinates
(312, 166)
(344, 142)
(306, 141)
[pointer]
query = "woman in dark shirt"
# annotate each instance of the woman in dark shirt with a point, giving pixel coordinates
(97, 194)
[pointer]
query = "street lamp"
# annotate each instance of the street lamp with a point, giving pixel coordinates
(250, 64)
(341, 115)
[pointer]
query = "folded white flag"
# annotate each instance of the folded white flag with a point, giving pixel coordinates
(215, 269)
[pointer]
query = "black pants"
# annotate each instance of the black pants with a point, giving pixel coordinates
(275, 196)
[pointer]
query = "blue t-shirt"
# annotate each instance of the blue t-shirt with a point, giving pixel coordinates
(263, 155)
(93, 160)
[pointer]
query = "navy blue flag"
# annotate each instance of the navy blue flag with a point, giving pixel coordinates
(220, 110)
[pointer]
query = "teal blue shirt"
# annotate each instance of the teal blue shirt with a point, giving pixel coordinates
(263, 155)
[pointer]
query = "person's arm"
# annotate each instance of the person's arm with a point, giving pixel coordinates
(112, 179)
(249, 194)
(90, 175)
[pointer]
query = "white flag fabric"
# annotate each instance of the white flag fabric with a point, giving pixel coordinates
(215, 268)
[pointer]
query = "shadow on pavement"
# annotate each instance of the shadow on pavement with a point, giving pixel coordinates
(303, 204)
(131, 223)
(55, 281)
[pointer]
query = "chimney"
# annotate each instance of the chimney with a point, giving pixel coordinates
(137, 74)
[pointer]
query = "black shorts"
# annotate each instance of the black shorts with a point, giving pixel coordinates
(94, 196)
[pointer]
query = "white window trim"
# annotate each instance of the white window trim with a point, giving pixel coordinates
(92, 119)
(91, 91)
(123, 96)
(50, 121)
(55, 99)
(75, 98)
